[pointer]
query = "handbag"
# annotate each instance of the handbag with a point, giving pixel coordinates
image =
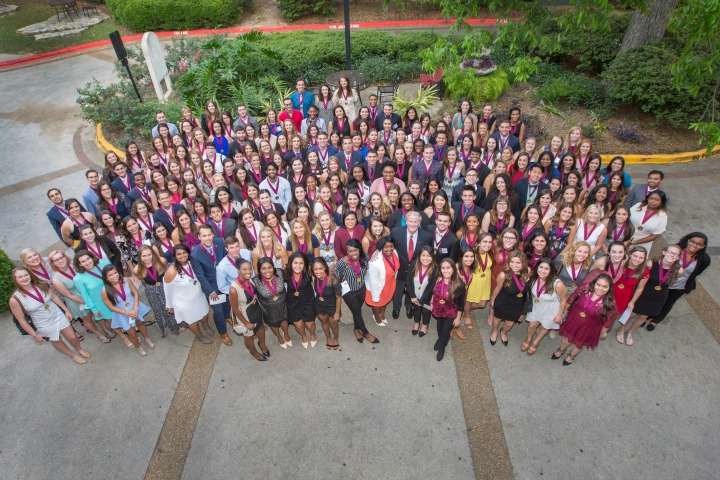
(28, 319)
(528, 306)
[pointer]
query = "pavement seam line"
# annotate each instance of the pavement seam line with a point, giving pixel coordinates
(484, 428)
(39, 180)
(171, 450)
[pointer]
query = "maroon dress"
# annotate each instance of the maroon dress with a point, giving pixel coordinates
(583, 323)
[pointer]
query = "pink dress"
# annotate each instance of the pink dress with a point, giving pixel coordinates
(583, 323)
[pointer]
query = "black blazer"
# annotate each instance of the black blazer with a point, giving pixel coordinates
(396, 217)
(230, 228)
(356, 158)
(410, 284)
(480, 194)
(119, 186)
(513, 142)
(458, 220)
(449, 246)
(113, 253)
(521, 188)
(400, 238)
(57, 219)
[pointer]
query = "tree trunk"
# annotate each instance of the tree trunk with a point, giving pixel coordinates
(649, 27)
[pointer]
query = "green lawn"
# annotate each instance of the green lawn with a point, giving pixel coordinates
(30, 12)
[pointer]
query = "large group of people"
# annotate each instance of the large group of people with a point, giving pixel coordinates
(278, 222)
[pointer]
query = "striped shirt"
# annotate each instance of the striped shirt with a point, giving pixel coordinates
(345, 273)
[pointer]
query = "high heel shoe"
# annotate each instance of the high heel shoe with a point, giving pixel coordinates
(358, 336)
(493, 342)
(374, 340)
(422, 334)
(504, 342)
(304, 344)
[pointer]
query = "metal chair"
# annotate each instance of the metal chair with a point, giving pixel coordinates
(388, 91)
(88, 7)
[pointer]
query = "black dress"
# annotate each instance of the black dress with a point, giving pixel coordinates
(651, 299)
(300, 301)
(510, 301)
(327, 305)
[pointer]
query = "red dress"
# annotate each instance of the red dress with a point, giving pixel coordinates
(623, 288)
(583, 323)
(499, 261)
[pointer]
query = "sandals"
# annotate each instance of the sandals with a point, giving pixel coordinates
(532, 348)
(620, 337)
(558, 353)
(629, 340)
(103, 338)
(568, 360)
(460, 334)
(525, 346)
(468, 322)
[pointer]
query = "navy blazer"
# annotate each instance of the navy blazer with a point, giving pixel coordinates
(204, 268)
(521, 188)
(480, 194)
(449, 246)
(162, 217)
(436, 172)
(57, 219)
(134, 195)
(356, 158)
(331, 151)
(399, 235)
(230, 227)
(512, 142)
(119, 186)
(458, 207)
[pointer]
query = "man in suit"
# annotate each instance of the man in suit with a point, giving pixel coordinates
(429, 168)
(167, 213)
(90, 196)
(476, 162)
(124, 182)
(528, 188)
(503, 137)
(440, 146)
(324, 150)
(204, 259)
(373, 166)
(237, 145)
(244, 120)
(388, 113)
(445, 242)
(348, 157)
(141, 191)
(639, 191)
(408, 242)
(471, 180)
(57, 214)
(222, 227)
(466, 206)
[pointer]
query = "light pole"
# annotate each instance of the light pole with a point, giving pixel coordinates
(346, 9)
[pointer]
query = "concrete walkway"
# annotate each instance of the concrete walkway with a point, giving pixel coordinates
(388, 410)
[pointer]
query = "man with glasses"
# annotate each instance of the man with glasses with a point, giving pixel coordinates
(472, 179)
(91, 195)
(292, 114)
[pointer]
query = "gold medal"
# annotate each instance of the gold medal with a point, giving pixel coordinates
(127, 304)
(658, 288)
(442, 302)
(277, 197)
(621, 286)
(556, 244)
(640, 227)
(537, 300)
(482, 275)
(582, 314)
(194, 282)
(321, 299)
(297, 294)
(275, 298)
(572, 285)
(520, 295)
(47, 306)
(359, 280)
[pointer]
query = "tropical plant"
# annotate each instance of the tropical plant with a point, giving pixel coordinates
(423, 101)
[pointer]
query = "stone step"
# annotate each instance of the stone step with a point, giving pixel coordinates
(64, 24)
(7, 9)
(62, 33)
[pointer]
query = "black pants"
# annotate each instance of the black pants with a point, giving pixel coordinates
(422, 314)
(398, 295)
(673, 296)
(355, 300)
(444, 326)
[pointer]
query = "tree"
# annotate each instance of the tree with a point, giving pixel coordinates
(649, 26)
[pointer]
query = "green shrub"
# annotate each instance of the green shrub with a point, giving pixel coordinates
(154, 15)
(642, 78)
(6, 284)
(465, 84)
(576, 89)
(383, 67)
(294, 9)
(594, 50)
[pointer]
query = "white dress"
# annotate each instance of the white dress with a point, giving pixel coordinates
(593, 235)
(654, 225)
(186, 297)
(545, 307)
(348, 104)
(47, 317)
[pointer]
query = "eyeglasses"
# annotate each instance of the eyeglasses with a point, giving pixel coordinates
(672, 254)
(508, 238)
(696, 243)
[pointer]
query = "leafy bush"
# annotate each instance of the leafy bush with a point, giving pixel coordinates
(628, 133)
(465, 84)
(576, 89)
(383, 67)
(152, 15)
(423, 100)
(596, 50)
(294, 9)
(6, 284)
(642, 78)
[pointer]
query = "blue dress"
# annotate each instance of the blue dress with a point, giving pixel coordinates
(90, 289)
(124, 321)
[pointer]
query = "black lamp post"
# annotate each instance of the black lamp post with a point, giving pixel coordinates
(346, 9)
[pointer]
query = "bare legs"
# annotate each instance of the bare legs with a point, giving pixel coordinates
(69, 334)
(331, 329)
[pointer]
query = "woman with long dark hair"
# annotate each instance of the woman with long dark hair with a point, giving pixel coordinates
(247, 312)
(270, 291)
(351, 271)
(300, 298)
(548, 296)
(328, 301)
(448, 303)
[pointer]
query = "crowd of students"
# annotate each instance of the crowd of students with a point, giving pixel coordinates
(277, 222)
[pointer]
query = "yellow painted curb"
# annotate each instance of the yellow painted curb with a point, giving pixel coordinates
(630, 158)
(682, 157)
(104, 145)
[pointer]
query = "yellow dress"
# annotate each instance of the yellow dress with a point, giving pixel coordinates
(479, 288)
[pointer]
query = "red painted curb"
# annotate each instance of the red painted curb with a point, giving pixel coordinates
(30, 59)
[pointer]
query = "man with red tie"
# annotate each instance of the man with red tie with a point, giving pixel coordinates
(408, 242)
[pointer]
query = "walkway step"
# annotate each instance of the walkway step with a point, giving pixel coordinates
(74, 25)
(7, 9)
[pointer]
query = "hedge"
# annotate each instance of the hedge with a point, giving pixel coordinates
(7, 287)
(155, 15)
